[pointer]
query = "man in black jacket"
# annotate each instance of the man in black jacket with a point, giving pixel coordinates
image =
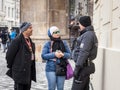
(4, 38)
(86, 51)
(21, 59)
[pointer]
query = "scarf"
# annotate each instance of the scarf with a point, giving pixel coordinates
(57, 44)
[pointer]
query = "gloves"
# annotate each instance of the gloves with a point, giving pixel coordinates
(76, 72)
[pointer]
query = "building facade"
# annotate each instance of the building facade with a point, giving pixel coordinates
(2, 12)
(43, 14)
(9, 13)
(106, 20)
(82, 7)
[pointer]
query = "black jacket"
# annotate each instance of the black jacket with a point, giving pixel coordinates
(86, 42)
(4, 37)
(21, 67)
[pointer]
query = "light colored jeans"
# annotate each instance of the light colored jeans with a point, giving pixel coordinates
(4, 47)
(54, 81)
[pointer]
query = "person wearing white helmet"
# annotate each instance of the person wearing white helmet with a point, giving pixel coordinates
(55, 51)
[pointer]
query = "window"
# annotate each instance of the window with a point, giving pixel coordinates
(80, 6)
(12, 12)
(2, 5)
(5, 10)
(8, 11)
(96, 1)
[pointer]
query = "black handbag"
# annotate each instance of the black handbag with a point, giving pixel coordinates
(61, 68)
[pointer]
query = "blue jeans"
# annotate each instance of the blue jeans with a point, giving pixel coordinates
(54, 81)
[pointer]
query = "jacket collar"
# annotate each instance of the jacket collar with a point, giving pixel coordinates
(25, 43)
(88, 28)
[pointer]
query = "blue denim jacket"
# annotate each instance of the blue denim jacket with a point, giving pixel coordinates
(50, 56)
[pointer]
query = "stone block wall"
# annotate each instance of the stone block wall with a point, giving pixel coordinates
(43, 14)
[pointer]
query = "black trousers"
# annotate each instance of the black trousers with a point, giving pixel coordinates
(19, 86)
(82, 84)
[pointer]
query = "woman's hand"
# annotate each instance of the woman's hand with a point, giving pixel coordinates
(59, 54)
(62, 54)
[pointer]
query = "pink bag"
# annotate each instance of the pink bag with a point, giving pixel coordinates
(69, 73)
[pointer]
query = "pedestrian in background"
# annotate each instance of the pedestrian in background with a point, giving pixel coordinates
(87, 51)
(74, 33)
(9, 39)
(55, 51)
(13, 34)
(4, 38)
(21, 59)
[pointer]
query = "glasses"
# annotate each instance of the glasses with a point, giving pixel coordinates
(56, 32)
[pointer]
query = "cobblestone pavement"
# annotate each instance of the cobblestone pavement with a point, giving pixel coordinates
(6, 83)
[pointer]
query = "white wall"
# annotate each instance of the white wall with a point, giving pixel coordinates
(107, 75)
(106, 20)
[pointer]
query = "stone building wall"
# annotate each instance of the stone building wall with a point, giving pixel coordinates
(43, 14)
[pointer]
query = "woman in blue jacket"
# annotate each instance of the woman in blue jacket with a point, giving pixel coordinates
(55, 51)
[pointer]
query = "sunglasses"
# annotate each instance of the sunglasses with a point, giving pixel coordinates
(56, 32)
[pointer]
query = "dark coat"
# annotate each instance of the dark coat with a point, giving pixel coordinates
(86, 42)
(21, 67)
(86, 52)
(4, 37)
